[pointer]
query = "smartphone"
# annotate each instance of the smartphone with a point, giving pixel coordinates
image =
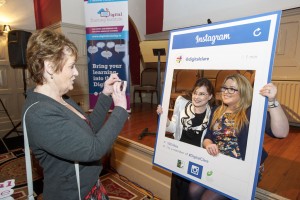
(122, 85)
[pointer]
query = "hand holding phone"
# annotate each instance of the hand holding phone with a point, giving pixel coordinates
(122, 85)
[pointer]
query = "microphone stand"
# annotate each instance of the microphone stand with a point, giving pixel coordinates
(158, 53)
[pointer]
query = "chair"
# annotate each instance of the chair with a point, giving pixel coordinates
(250, 75)
(148, 84)
(184, 81)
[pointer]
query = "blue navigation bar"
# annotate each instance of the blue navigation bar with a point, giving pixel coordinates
(246, 33)
(104, 1)
(107, 36)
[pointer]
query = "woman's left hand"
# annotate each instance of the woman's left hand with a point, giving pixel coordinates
(278, 118)
(108, 84)
(212, 149)
(119, 94)
(270, 91)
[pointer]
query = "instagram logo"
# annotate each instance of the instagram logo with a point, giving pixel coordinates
(195, 170)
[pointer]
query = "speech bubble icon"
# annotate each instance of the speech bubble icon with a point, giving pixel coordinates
(100, 44)
(106, 54)
(110, 44)
(120, 48)
(92, 49)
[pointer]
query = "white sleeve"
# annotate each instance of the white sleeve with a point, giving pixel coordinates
(174, 122)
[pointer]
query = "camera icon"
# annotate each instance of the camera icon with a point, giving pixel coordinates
(195, 170)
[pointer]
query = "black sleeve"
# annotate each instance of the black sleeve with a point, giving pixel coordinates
(208, 134)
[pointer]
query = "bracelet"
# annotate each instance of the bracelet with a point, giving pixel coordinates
(273, 104)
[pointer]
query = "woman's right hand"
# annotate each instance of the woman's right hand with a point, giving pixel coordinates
(159, 110)
(212, 149)
(119, 94)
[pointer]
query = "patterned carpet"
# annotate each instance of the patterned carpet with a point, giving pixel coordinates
(12, 166)
(118, 189)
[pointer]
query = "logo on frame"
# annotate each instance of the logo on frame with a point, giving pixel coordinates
(195, 170)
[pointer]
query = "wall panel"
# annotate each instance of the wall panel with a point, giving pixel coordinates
(287, 58)
(134, 161)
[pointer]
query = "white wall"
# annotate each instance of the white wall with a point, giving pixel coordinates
(137, 12)
(72, 12)
(19, 14)
(179, 13)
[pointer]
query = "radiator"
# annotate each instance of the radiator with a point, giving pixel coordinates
(289, 97)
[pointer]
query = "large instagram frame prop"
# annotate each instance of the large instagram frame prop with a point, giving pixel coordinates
(242, 44)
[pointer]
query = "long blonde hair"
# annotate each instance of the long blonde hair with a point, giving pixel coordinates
(245, 90)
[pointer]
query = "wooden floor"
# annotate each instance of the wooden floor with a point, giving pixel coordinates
(282, 167)
(142, 116)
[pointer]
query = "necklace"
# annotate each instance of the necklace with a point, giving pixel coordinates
(63, 102)
(186, 119)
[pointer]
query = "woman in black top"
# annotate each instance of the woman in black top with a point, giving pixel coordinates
(188, 124)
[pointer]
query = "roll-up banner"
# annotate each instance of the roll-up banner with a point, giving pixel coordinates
(107, 44)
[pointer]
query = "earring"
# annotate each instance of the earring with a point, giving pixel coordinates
(51, 75)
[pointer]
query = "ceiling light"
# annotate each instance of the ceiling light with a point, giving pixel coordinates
(2, 2)
(6, 28)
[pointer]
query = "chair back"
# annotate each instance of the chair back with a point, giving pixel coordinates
(149, 77)
(222, 74)
(250, 75)
(185, 80)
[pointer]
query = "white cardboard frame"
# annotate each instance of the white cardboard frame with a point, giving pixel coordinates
(242, 44)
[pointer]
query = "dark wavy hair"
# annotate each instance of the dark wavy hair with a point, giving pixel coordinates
(209, 87)
(47, 45)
